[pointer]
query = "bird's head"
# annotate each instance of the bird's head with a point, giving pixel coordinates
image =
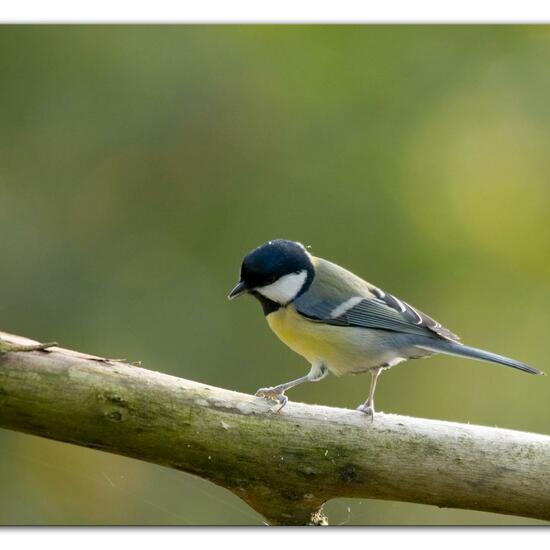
(278, 270)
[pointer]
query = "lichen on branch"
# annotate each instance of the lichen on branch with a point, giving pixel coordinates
(285, 465)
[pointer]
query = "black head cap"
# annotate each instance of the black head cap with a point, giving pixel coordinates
(271, 261)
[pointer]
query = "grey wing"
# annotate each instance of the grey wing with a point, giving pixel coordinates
(369, 308)
(413, 317)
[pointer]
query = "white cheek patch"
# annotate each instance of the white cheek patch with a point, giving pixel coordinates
(285, 289)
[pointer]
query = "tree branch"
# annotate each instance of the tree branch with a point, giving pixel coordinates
(283, 465)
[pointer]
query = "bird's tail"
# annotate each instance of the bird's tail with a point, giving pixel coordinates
(454, 348)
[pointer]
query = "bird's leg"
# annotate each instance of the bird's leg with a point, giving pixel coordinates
(6, 347)
(277, 393)
(368, 406)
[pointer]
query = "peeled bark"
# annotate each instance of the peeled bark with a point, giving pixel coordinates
(284, 465)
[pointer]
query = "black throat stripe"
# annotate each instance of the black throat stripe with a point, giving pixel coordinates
(269, 306)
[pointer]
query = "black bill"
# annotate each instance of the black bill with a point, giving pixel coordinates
(240, 288)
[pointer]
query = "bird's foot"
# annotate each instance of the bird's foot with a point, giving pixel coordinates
(273, 394)
(368, 410)
(6, 347)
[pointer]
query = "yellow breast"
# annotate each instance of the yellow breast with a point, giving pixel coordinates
(314, 341)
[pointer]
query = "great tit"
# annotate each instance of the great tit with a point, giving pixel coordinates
(339, 322)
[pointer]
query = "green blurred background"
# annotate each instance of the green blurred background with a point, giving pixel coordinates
(139, 164)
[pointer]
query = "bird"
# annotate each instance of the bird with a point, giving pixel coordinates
(339, 322)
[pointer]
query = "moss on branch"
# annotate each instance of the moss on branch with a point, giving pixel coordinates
(284, 465)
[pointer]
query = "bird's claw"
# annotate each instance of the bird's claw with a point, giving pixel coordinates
(273, 394)
(268, 393)
(368, 410)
